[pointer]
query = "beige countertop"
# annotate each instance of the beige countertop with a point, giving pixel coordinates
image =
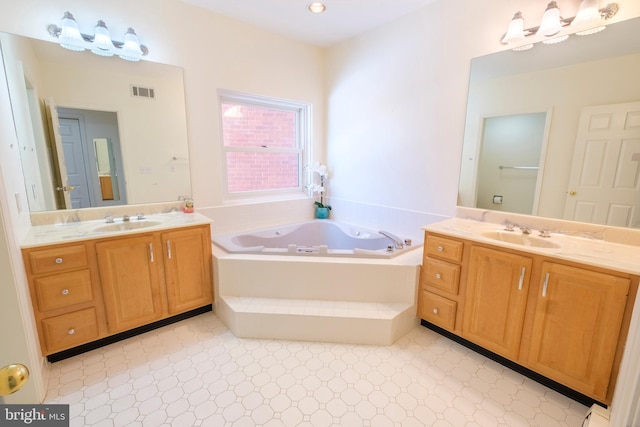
(585, 250)
(41, 235)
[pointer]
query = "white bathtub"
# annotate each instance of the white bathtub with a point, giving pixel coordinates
(316, 237)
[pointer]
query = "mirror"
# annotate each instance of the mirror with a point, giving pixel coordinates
(555, 84)
(143, 159)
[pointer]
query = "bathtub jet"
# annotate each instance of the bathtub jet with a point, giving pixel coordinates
(316, 237)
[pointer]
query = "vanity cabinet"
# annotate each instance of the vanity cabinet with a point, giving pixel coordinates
(85, 291)
(440, 281)
(577, 321)
(130, 270)
(65, 294)
(187, 254)
(496, 300)
(563, 320)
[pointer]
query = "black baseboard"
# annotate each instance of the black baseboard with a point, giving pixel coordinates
(562, 389)
(56, 357)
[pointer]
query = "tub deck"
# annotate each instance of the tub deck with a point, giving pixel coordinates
(329, 299)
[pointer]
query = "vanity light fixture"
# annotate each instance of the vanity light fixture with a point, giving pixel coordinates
(100, 42)
(316, 7)
(588, 17)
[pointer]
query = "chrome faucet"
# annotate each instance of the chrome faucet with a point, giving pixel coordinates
(525, 230)
(125, 217)
(395, 239)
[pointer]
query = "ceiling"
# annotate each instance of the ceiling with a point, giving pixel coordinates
(341, 20)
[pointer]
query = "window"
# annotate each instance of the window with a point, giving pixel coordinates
(264, 142)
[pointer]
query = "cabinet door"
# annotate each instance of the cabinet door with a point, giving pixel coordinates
(577, 323)
(129, 271)
(496, 299)
(188, 269)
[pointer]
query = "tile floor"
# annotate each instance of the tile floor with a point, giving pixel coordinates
(196, 373)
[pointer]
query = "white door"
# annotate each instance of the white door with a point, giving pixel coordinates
(63, 189)
(604, 183)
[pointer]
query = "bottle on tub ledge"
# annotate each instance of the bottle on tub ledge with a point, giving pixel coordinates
(188, 206)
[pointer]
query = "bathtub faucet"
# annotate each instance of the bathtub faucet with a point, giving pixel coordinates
(396, 240)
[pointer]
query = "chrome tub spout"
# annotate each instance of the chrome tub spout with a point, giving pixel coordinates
(395, 239)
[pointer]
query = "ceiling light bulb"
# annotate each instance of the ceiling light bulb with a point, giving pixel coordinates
(70, 37)
(515, 32)
(102, 43)
(131, 50)
(550, 24)
(588, 16)
(317, 7)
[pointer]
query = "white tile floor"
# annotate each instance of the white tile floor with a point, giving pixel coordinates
(196, 373)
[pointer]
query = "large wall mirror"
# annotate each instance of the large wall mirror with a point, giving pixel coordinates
(555, 131)
(95, 131)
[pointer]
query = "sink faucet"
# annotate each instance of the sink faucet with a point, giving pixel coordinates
(125, 217)
(395, 239)
(140, 216)
(525, 230)
(109, 219)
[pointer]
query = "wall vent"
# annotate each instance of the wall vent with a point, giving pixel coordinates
(143, 92)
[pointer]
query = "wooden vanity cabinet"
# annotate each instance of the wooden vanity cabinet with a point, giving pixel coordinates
(65, 294)
(577, 322)
(563, 320)
(187, 266)
(88, 290)
(439, 293)
(496, 300)
(130, 271)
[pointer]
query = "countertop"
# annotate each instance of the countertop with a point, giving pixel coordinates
(42, 235)
(591, 251)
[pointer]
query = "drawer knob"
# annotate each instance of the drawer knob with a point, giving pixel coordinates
(435, 311)
(440, 249)
(65, 292)
(71, 331)
(58, 260)
(438, 276)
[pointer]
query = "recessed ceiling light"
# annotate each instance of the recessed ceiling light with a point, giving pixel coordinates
(316, 7)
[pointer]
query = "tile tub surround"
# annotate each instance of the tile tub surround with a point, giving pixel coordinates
(197, 373)
(317, 298)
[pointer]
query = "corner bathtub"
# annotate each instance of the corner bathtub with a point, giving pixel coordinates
(316, 237)
(345, 288)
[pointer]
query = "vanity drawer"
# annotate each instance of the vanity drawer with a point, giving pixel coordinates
(62, 290)
(57, 259)
(443, 248)
(70, 330)
(441, 275)
(438, 310)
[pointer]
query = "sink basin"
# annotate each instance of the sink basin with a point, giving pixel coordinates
(521, 239)
(125, 226)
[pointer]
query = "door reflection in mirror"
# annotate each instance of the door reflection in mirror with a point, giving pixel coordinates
(508, 162)
(92, 156)
(107, 170)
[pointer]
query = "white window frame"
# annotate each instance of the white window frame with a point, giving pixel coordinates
(303, 143)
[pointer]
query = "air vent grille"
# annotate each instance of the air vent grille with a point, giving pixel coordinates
(143, 92)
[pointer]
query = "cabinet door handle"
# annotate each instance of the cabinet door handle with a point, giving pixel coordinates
(65, 292)
(435, 311)
(544, 285)
(440, 249)
(151, 252)
(438, 276)
(58, 260)
(71, 331)
(169, 249)
(521, 281)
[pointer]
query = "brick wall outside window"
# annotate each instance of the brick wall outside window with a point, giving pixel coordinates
(259, 130)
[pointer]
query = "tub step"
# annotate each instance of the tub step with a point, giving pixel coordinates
(318, 320)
